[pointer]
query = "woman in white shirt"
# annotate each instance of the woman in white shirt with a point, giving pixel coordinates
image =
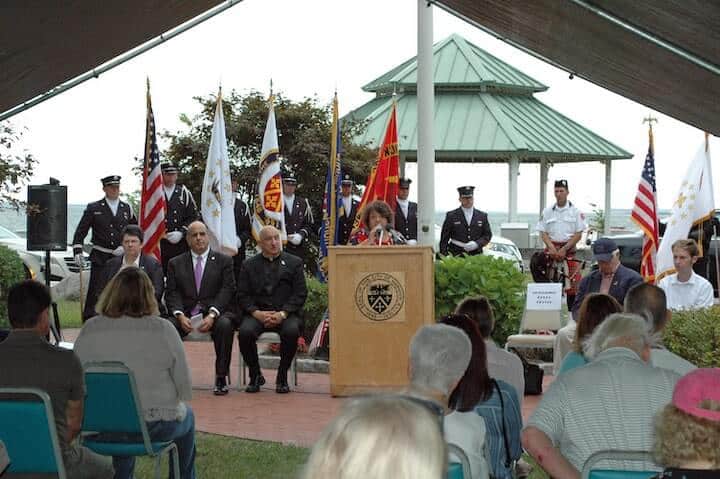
(129, 329)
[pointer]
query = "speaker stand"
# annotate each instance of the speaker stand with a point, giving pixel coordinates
(55, 324)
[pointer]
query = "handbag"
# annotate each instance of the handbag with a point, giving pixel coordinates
(533, 375)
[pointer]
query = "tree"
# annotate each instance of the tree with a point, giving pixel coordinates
(16, 167)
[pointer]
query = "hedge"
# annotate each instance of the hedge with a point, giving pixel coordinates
(11, 272)
(695, 336)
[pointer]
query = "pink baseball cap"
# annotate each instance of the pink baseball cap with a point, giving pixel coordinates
(694, 388)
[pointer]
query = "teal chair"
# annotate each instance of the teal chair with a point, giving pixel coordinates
(27, 427)
(112, 407)
(590, 472)
(458, 470)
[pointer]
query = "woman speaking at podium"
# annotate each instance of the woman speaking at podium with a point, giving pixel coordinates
(377, 230)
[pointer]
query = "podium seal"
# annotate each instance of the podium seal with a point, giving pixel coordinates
(379, 296)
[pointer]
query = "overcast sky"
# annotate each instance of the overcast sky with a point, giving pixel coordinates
(311, 48)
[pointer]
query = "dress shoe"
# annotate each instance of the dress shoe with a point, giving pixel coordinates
(221, 387)
(281, 385)
(255, 383)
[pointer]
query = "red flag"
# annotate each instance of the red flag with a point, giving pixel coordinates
(382, 183)
(152, 197)
(644, 214)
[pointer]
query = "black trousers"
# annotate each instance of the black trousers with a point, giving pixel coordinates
(168, 251)
(94, 288)
(249, 331)
(222, 336)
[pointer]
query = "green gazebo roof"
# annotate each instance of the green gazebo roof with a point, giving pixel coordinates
(484, 111)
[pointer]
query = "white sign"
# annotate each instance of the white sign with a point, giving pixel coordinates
(544, 297)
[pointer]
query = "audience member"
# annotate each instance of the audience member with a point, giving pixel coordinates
(649, 301)
(29, 361)
(595, 308)
(379, 438)
(130, 330)
(271, 295)
(686, 289)
(607, 404)
(439, 356)
(487, 397)
(501, 364)
(201, 282)
(610, 277)
(687, 431)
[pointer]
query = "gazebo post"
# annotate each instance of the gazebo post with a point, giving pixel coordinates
(513, 173)
(608, 196)
(425, 145)
(543, 185)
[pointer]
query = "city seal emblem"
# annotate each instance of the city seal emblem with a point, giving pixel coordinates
(379, 296)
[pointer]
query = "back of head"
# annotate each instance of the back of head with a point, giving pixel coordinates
(439, 356)
(648, 301)
(377, 438)
(26, 301)
(619, 330)
(479, 310)
(128, 293)
(593, 311)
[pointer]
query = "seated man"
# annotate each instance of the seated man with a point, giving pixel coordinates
(607, 404)
(439, 356)
(29, 361)
(271, 294)
(201, 281)
(686, 289)
(132, 243)
(648, 301)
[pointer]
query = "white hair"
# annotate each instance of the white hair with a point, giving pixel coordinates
(439, 356)
(380, 437)
(619, 330)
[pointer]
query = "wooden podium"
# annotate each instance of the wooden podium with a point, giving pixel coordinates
(378, 298)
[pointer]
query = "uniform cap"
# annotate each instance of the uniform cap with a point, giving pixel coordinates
(169, 168)
(561, 184)
(111, 180)
(404, 182)
(347, 180)
(466, 191)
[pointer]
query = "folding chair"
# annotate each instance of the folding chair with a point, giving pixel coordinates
(112, 406)
(27, 428)
(266, 338)
(590, 472)
(536, 318)
(458, 470)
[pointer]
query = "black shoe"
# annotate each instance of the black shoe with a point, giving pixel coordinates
(281, 385)
(255, 383)
(221, 388)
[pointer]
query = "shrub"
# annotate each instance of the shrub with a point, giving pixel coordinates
(457, 277)
(315, 305)
(11, 272)
(695, 336)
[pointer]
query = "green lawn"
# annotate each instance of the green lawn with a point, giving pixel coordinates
(69, 312)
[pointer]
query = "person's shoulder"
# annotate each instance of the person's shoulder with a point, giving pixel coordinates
(629, 272)
(179, 258)
(212, 254)
(94, 205)
(291, 259)
(665, 281)
(547, 211)
(114, 261)
(452, 213)
(150, 260)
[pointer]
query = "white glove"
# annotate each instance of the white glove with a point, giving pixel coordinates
(471, 246)
(295, 238)
(174, 236)
(239, 242)
(411, 242)
(119, 251)
(80, 260)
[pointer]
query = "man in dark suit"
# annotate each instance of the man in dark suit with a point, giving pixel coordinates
(201, 282)
(107, 218)
(465, 230)
(406, 212)
(271, 294)
(132, 242)
(242, 231)
(346, 217)
(298, 218)
(180, 211)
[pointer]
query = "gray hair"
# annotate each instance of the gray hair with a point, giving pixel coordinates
(619, 330)
(439, 356)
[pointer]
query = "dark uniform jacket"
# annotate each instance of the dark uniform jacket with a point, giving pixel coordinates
(180, 211)
(106, 229)
(148, 264)
(217, 287)
(624, 279)
(277, 285)
(298, 220)
(243, 230)
(455, 227)
(407, 226)
(345, 223)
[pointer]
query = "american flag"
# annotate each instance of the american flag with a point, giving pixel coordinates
(152, 199)
(644, 214)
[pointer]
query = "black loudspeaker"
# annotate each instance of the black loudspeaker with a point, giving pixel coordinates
(47, 218)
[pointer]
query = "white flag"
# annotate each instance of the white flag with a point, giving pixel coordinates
(694, 204)
(218, 200)
(269, 204)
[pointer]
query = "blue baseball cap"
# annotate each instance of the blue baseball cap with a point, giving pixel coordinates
(603, 249)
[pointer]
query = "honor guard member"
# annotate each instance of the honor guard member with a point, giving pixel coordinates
(346, 216)
(560, 228)
(406, 212)
(242, 229)
(180, 211)
(107, 218)
(465, 230)
(298, 218)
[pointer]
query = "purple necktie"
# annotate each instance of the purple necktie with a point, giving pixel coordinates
(198, 273)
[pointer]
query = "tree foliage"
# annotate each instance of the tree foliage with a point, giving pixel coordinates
(16, 166)
(303, 136)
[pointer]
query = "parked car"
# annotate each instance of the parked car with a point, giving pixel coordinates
(62, 263)
(499, 247)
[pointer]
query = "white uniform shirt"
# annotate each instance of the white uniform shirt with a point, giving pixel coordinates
(695, 293)
(404, 205)
(561, 223)
(289, 202)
